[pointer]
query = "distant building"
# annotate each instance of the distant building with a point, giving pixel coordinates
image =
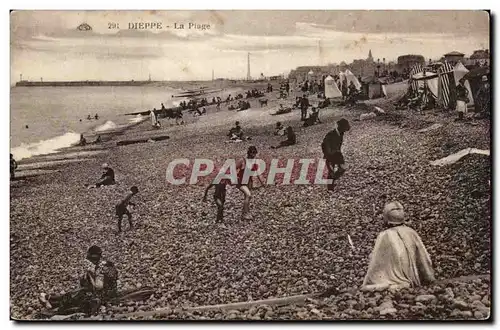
(454, 57)
(364, 67)
(303, 73)
(406, 62)
(480, 57)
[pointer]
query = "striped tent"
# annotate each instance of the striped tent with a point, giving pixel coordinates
(446, 84)
(412, 83)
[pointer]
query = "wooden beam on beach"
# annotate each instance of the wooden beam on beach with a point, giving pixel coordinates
(298, 299)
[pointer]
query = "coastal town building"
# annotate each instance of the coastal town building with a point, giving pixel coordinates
(480, 57)
(454, 57)
(313, 72)
(406, 62)
(364, 67)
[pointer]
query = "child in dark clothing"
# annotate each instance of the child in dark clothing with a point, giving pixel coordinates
(219, 197)
(291, 139)
(121, 209)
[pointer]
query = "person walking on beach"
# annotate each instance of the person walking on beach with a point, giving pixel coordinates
(245, 187)
(304, 104)
(331, 146)
(219, 197)
(121, 208)
(13, 166)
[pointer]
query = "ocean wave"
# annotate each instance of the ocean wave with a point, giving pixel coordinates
(45, 146)
(136, 119)
(109, 125)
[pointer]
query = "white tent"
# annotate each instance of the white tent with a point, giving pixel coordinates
(352, 78)
(459, 71)
(431, 79)
(331, 88)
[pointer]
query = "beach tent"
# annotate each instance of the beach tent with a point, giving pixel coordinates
(428, 79)
(350, 77)
(459, 71)
(331, 88)
(373, 86)
(395, 90)
(446, 86)
(449, 77)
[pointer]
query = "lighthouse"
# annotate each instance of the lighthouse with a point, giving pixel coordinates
(248, 68)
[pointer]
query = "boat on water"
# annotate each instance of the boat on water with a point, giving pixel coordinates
(194, 93)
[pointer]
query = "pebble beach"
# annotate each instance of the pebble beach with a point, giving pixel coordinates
(297, 242)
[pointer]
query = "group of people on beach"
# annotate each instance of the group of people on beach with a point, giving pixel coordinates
(89, 117)
(332, 153)
(399, 258)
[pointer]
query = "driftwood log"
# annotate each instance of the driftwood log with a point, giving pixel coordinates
(298, 299)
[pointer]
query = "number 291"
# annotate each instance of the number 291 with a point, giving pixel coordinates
(113, 26)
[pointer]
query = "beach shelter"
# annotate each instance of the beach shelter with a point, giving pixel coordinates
(429, 80)
(413, 84)
(331, 88)
(459, 72)
(373, 87)
(395, 90)
(350, 77)
(446, 84)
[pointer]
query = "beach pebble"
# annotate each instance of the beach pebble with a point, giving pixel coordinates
(460, 304)
(425, 298)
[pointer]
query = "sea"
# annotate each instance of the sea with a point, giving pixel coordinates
(46, 119)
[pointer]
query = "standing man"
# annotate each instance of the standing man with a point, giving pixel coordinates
(483, 98)
(304, 104)
(462, 99)
(331, 146)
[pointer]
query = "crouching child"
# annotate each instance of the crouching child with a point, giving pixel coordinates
(219, 197)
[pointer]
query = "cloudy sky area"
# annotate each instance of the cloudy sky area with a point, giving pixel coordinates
(46, 43)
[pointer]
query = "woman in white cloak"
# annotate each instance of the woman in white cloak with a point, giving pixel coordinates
(399, 258)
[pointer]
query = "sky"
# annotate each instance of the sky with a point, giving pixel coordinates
(47, 45)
